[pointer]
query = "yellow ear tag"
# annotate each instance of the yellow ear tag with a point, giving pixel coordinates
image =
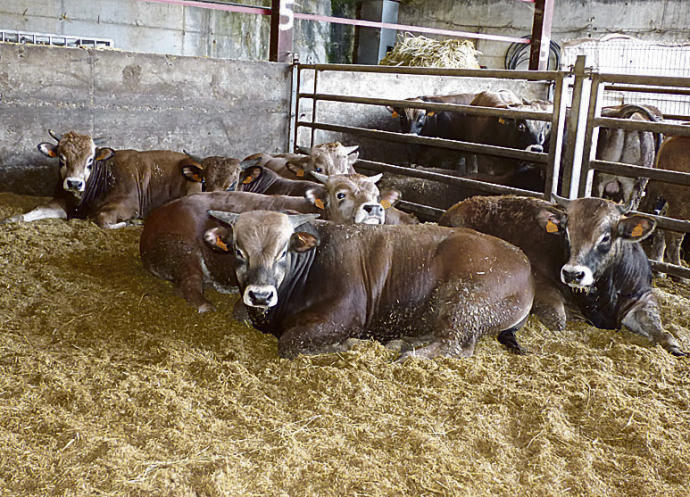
(501, 120)
(386, 204)
(319, 203)
(430, 113)
(551, 227)
(247, 180)
(221, 244)
(395, 115)
(300, 173)
(637, 230)
(197, 178)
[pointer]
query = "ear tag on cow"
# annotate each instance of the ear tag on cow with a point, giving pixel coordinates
(637, 230)
(221, 244)
(551, 227)
(395, 115)
(247, 180)
(319, 203)
(197, 177)
(300, 173)
(430, 113)
(386, 204)
(501, 120)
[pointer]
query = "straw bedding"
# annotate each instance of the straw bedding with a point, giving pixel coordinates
(111, 385)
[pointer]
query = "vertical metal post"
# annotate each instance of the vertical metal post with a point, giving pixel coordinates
(294, 105)
(282, 22)
(541, 35)
(313, 107)
(556, 143)
(575, 133)
(591, 137)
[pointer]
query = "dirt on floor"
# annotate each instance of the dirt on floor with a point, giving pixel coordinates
(110, 384)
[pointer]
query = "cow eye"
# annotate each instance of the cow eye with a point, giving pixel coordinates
(604, 243)
(239, 253)
(319, 170)
(340, 195)
(522, 127)
(283, 254)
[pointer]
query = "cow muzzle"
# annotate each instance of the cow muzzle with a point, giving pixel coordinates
(261, 296)
(74, 185)
(372, 213)
(577, 277)
(534, 148)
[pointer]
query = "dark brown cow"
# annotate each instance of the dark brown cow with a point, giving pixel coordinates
(674, 155)
(215, 173)
(591, 247)
(172, 247)
(109, 186)
(326, 158)
(441, 124)
(259, 179)
(315, 285)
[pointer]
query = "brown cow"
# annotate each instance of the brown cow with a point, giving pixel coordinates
(215, 173)
(591, 247)
(674, 155)
(326, 158)
(259, 179)
(315, 285)
(110, 186)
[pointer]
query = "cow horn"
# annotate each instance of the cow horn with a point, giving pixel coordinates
(55, 136)
(375, 178)
(626, 207)
(299, 219)
(557, 199)
(246, 164)
(351, 149)
(193, 157)
(100, 140)
(322, 178)
(227, 217)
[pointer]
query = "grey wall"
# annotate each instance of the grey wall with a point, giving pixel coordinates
(646, 19)
(141, 101)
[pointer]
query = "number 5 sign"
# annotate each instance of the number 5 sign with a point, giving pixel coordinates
(287, 15)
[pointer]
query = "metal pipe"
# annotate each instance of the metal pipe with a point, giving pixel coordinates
(435, 71)
(591, 138)
(493, 150)
(635, 125)
(443, 178)
(674, 270)
(425, 211)
(634, 79)
(668, 223)
(648, 89)
(465, 109)
(622, 169)
(556, 145)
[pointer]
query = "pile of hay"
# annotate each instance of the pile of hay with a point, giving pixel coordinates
(111, 385)
(425, 52)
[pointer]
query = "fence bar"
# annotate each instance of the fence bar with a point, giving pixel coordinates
(556, 145)
(672, 269)
(635, 79)
(591, 138)
(493, 150)
(668, 223)
(634, 125)
(444, 178)
(541, 35)
(465, 109)
(435, 71)
(648, 89)
(425, 211)
(623, 169)
(574, 140)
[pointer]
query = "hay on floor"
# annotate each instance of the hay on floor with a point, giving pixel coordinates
(421, 51)
(112, 385)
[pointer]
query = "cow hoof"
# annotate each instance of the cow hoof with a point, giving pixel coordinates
(115, 226)
(507, 338)
(207, 307)
(678, 352)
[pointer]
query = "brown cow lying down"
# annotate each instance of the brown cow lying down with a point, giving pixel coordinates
(109, 186)
(315, 285)
(172, 247)
(586, 256)
(215, 173)
(259, 179)
(326, 158)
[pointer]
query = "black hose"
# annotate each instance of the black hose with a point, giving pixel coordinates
(516, 54)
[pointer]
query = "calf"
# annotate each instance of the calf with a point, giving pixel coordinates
(259, 179)
(109, 186)
(172, 247)
(215, 173)
(586, 255)
(326, 158)
(315, 285)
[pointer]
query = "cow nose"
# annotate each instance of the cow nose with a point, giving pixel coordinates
(572, 275)
(75, 184)
(261, 297)
(373, 209)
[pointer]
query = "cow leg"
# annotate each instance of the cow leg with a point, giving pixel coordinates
(507, 338)
(644, 320)
(322, 330)
(114, 214)
(548, 304)
(52, 210)
(674, 242)
(191, 286)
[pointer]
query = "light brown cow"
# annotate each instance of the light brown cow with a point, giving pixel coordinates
(111, 187)
(215, 173)
(326, 158)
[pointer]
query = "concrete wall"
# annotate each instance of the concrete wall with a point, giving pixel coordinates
(646, 19)
(141, 101)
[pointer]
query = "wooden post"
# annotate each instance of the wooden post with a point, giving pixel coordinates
(282, 22)
(541, 35)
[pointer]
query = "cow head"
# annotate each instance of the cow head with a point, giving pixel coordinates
(354, 199)
(263, 244)
(216, 174)
(412, 121)
(326, 158)
(527, 134)
(596, 230)
(76, 155)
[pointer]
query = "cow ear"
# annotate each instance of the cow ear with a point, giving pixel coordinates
(48, 149)
(389, 198)
(193, 172)
(552, 220)
(635, 228)
(295, 168)
(251, 175)
(394, 112)
(104, 153)
(352, 158)
(301, 241)
(219, 238)
(318, 196)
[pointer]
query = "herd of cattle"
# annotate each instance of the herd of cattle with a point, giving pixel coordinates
(367, 269)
